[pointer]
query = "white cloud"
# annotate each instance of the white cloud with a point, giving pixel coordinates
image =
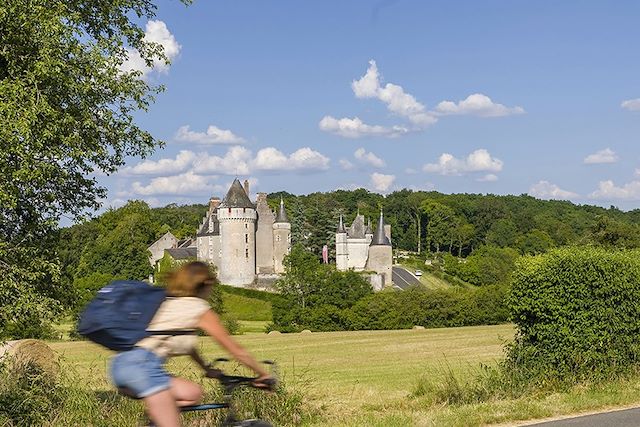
(182, 162)
(213, 135)
(488, 178)
(478, 161)
(397, 100)
(368, 158)
(607, 190)
(235, 162)
(603, 156)
(547, 190)
(303, 159)
(345, 164)
(631, 104)
(637, 172)
(187, 183)
(356, 128)
(382, 182)
(156, 32)
(477, 104)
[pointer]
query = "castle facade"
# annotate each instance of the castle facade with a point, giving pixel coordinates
(359, 248)
(244, 240)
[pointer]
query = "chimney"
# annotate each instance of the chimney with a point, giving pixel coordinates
(214, 202)
(246, 186)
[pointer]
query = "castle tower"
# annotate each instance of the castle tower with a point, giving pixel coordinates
(237, 217)
(342, 252)
(281, 238)
(380, 253)
(264, 236)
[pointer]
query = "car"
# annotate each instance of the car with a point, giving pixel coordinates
(418, 273)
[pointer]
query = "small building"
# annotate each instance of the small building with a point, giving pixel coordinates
(157, 248)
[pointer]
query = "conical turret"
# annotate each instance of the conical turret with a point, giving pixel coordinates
(341, 228)
(282, 213)
(379, 238)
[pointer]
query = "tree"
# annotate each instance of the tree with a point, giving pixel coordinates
(302, 275)
(66, 114)
(439, 225)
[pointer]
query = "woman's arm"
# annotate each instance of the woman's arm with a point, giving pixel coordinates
(210, 323)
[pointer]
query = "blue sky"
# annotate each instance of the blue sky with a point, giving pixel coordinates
(469, 96)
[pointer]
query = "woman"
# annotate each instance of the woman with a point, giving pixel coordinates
(141, 371)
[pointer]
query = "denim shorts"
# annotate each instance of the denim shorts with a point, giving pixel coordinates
(140, 371)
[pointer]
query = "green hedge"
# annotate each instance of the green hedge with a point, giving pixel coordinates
(577, 312)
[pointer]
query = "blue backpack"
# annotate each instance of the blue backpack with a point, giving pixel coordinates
(118, 316)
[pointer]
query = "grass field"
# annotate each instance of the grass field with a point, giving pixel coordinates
(246, 308)
(351, 375)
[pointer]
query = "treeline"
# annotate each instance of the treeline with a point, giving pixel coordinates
(315, 296)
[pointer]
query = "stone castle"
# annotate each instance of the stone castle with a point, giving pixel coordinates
(359, 248)
(246, 241)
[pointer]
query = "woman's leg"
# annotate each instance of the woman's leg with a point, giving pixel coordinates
(162, 409)
(185, 392)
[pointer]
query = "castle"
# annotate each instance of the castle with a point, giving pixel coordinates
(361, 249)
(245, 241)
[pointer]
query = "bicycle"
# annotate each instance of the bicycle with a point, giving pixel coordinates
(229, 384)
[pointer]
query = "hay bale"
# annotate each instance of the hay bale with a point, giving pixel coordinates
(306, 331)
(275, 333)
(21, 353)
(416, 328)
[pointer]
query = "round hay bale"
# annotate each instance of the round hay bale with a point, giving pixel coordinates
(275, 333)
(306, 331)
(417, 327)
(22, 353)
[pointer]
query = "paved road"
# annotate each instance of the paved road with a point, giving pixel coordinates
(403, 278)
(624, 418)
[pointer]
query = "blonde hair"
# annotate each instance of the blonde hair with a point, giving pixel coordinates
(189, 279)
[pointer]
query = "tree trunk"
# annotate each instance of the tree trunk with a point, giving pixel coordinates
(418, 221)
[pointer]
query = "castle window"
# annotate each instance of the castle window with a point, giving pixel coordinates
(244, 210)
(246, 238)
(246, 253)
(229, 210)
(277, 238)
(246, 225)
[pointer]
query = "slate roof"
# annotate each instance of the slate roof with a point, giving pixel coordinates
(182, 253)
(236, 197)
(204, 228)
(379, 238)
(282, 213)
(357, 229)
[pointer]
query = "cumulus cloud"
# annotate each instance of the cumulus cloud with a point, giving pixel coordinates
(303, 159)
(187, 183)
(236, 161)
(603, 156)
(490, 177)
(607, 190)
(476, 104)
(155, 32)
(397, 100)
(184, 159)
(547, 190)
(356, 128)
(213, 135)
(478, 161)
(381, 182)
(368, 158)
(631, 104)
(345, 164)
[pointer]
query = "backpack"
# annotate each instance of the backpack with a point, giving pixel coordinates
(117, 318)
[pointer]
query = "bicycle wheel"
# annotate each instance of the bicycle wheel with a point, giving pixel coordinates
(252, 423)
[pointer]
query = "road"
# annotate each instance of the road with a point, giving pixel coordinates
(624, 418)
(403, 278)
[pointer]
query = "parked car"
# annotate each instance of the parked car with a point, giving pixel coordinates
(418, 273)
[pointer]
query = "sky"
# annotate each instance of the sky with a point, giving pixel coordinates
(502, 97)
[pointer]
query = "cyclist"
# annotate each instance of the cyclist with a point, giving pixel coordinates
(141, 373)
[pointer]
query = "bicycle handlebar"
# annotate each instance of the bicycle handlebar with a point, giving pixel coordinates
(232, 381)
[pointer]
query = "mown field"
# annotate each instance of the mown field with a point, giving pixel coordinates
(351, 376)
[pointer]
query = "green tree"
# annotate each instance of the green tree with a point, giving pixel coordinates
(66, 114)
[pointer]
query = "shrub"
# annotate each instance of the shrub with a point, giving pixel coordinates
(576, 312)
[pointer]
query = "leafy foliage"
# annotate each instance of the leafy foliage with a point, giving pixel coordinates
(576, 311)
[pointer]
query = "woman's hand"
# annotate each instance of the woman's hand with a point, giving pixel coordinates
(265, 381)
